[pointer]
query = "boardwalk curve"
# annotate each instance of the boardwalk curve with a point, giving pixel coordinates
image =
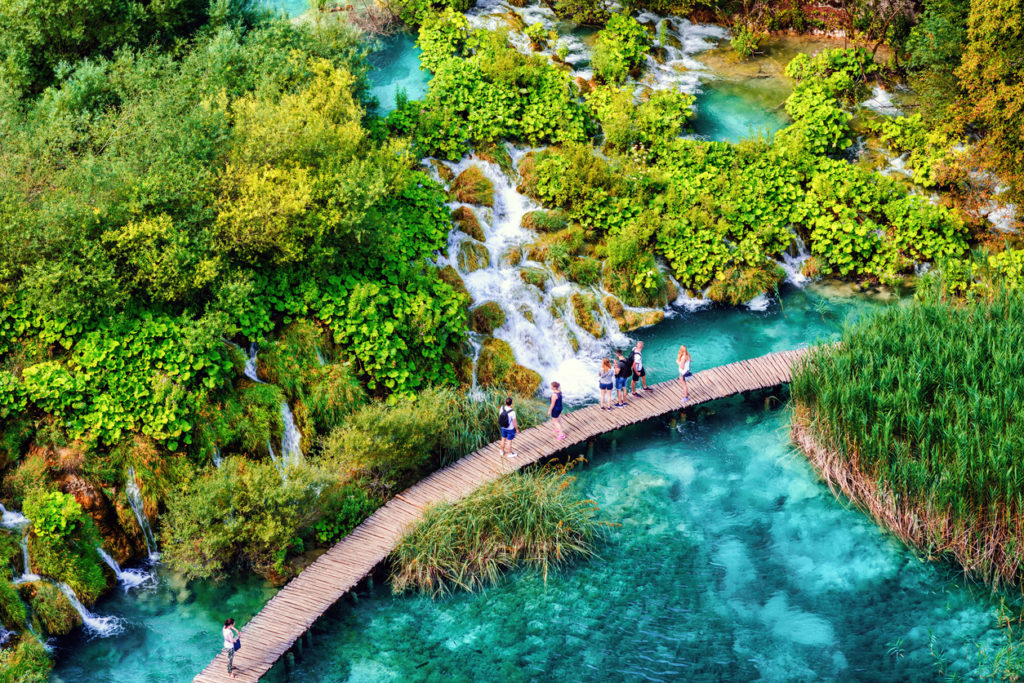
(290, 613)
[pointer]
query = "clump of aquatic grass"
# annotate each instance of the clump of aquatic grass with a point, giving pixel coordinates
(918, 417)
(530, 519)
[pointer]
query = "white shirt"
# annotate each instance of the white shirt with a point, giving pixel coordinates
(639, 360)
(684, 367)
(229, 637)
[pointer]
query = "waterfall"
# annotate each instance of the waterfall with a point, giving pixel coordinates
(792, 263)
(128, 578)
(250, 363)
(291, 439)
(26, 572)
(101, 627)
(273, 455)
(12, 519)
(217, 459)
(320, 357)
(135, 500)
(5, 635)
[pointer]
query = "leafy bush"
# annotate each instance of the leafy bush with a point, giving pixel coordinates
(587, 12)
(744, 41)
(343, 509)
(585, 271)
(621, 47)
(632, 274)
(244, 514)
(531, 519)
(647, 126)
(63, 542)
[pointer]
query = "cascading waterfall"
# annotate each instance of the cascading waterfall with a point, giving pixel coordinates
(128, 578)
(291, 439)
(26, 562)
(217, 459)
(250, 363)
(12, 519)
(138, 507)
(98, 626)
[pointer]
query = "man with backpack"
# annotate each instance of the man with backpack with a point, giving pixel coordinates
(623, 370)
(637, 366)
(509, 427)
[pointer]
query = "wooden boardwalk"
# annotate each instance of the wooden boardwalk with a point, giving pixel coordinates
(290, 613)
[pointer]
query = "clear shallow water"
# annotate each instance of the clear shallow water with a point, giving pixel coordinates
(732, 112)
(394, 67)
(732, 562)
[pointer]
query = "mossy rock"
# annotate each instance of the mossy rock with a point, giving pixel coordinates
(737, 285)
(574, 342)
(472, 256)
(498, 154)
(585, 271)
(497, 368)
(634, 320)
(527, 313)
(514, 21)
(536, 277)
(545, 221)
(452, 277)
(51, 609)
(512, 256)
(584, 308)
(12, 609)
(487, 317)
(557, 249)
(443, 172)
(528, 175)
(472, 187)
(614, 307)
(465, 220)
(671, 291)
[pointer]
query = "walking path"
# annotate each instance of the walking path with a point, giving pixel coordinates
(290, 613)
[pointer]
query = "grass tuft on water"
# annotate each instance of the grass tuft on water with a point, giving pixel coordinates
(529, 519)
(918, 418)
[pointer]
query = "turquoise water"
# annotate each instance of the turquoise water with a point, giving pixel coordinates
(733, 562)
(396, 66)
(730, 111)
(292, 8)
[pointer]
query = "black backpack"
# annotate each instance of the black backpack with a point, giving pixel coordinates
(503, 417)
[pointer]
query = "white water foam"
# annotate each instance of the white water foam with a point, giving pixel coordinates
(12, 519)
(128, 578)
(250, 363)
(26, 562)
(291, 439)
(881, 102)
(101, 627)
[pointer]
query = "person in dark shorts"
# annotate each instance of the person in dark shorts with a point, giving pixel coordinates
(622, 373)
(639, 373)
(555, 409)
(509, 427)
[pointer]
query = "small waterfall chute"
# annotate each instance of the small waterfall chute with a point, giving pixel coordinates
(217, 459)
(12, 519)
(96, 625)
(138, 507)
(128, 578)
(250, 363)
(291, 439)
(26, 573)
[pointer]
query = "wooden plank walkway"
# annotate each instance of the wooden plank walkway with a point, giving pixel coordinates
(290, 613)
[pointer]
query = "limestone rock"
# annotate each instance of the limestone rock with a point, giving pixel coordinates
(472, 256)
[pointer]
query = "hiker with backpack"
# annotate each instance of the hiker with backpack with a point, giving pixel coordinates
(637, 367)
(509, 427)
(623, 370)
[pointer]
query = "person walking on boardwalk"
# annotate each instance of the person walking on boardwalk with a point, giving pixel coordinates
(637, 366)
(683, 361)
(231, 643)
(606, 382)
(509, 427)
(555, 409)
(622, 373)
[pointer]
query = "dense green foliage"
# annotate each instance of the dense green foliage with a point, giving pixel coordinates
(531, 519)
(621, 47)
(718, 213)
(63, 542)
(921, 404)
(27, 661)
(484, 91)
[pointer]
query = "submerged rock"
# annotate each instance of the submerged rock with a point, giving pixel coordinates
(472, 256)
(487, 317)
(472, 187)
(443, 172)
(497, 367)
(512, 256)
(465, 220)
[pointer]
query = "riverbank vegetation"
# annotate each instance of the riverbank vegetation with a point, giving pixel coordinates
(529, 519)
(916, 418)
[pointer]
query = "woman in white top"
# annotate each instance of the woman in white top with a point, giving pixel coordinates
(683, 361)
(231, 635)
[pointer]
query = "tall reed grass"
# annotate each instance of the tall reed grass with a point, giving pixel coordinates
(919, 416)
(531, 519)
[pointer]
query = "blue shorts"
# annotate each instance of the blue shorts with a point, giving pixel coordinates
(620, 382)
(604, 387)
(508, 433)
